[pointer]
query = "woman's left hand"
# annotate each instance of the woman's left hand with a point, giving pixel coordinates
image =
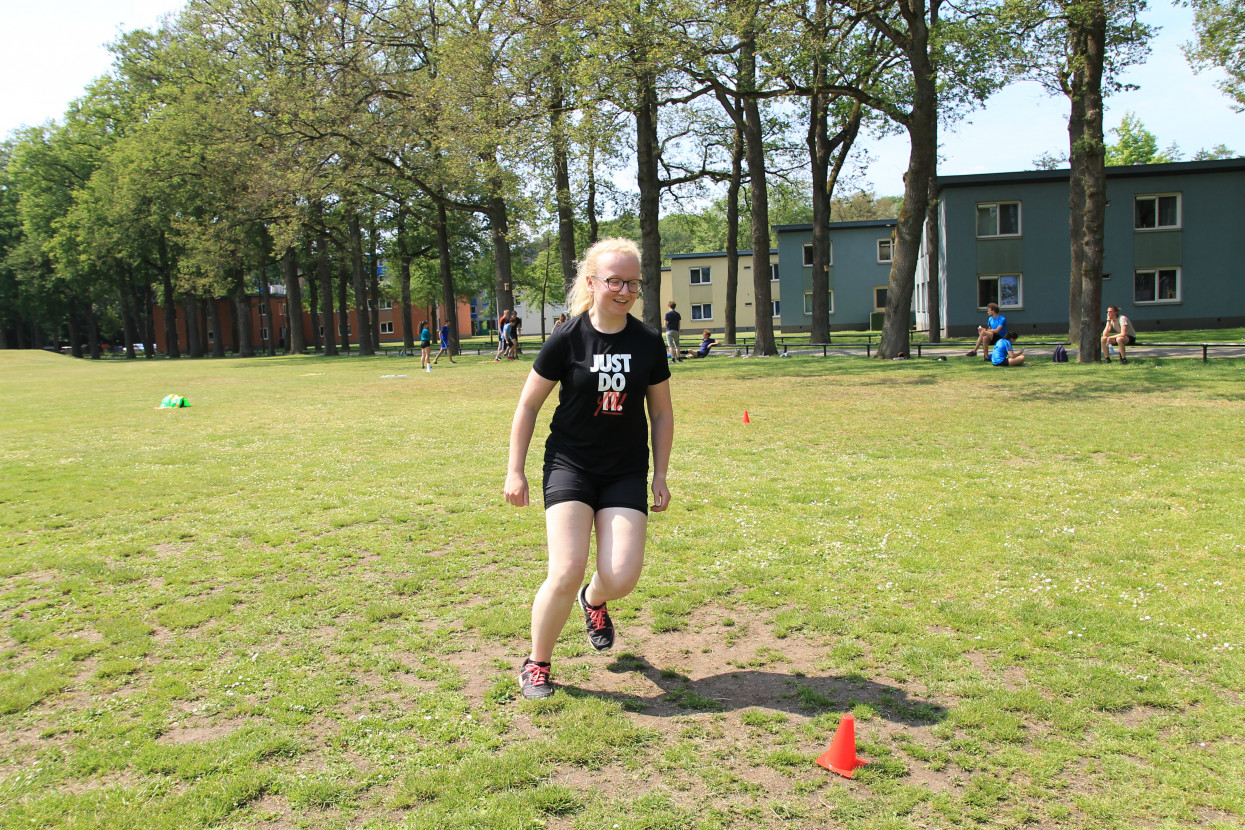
(661, 494)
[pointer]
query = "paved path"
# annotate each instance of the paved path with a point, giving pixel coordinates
(1039, 352)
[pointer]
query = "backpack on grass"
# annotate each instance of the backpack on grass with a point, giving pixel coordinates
(1061, 354)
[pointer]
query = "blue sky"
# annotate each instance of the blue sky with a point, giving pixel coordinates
(49, 52)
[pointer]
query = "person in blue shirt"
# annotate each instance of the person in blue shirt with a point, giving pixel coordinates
(992, 332)
(445, 344)
(1003, 353)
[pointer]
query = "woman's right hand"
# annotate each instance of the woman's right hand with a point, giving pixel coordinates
(516, 490)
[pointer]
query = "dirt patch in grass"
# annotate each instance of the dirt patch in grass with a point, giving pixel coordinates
(195, 730)
(166, 549)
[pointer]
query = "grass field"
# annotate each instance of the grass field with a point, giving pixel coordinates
(301, 601)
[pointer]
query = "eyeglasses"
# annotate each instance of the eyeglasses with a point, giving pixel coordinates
(616, 284)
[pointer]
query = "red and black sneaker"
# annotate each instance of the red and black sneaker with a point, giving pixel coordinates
(597, 619)
(534, 679)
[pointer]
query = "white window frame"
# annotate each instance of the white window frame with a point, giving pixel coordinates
(701, 275)
(263, 333)
(1154, 197)
(773, 272)
(776, 308)
(997, 235)
(1154, 272)
(263, 310)
(1020, 291)
(808, 303)
(874, 297)
(698, 311)
(386, 327)
(808, 254)
(387, 305)
(890, 250)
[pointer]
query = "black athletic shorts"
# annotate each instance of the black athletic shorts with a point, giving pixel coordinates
(994, 338)
(565, 483)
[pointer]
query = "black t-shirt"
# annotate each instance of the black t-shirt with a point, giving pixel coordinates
(600, 425)
(673, 318)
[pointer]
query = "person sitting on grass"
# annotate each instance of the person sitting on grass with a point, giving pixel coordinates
(991, 333)
(1003, 354)
(707, 342)
(1119, 332)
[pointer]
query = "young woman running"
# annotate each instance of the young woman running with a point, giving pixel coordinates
(611, 367)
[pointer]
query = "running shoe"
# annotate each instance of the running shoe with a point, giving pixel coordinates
(597, 619)
(534, 680)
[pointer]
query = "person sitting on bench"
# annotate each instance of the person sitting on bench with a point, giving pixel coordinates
(992, 332)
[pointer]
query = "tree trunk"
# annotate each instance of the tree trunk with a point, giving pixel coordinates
(594, 228)
(267, 319)
(649, 181)
(933, 291)
(74, 319)
(754, 150)
(731, 310)
(294, 302)
(129, 324)
(194, 345)
(819, 161)
(923, 138)
(500, 227)
(1094, 182)
(313, 308)
(242, 308)
(447, 277)
(404, 282)
(562, 181)
(149, 321)
(343, 309)
(169, 304)
(360, 283)
(373, 281)
(325, 274)
(92, 331)
(218, 339)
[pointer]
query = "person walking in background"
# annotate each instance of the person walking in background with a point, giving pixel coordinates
(992, 332)
(673, 318)
(502, 322)
(1119, 332)
(561, 319)
(425, 345)
(611, 367)
(445, 344)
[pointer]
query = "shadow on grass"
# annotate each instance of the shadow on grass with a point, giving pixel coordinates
(750, 688)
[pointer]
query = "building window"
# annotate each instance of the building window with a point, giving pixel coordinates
(998, 219)
(702, 311)
(879, 297)
(808, 254)
(263, 310)
(387, 305)
(211, 336)
(386, 328)
(773, 272)
(1156, 285)
(1159, 211)
(700, 276)
(885, 250)
(777, 308)
(263, 333)
(1004, 289)
(808, 303)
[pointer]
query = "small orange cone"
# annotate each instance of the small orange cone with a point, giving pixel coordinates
(747, 420)
(841, 756)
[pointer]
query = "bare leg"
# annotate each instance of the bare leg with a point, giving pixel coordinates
(620, 553)
(569, 528)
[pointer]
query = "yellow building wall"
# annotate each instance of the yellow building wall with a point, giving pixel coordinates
(686, 295)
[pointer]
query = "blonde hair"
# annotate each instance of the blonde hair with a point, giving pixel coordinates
(580, 298)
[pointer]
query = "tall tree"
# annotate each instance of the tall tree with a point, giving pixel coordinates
(1219, 27)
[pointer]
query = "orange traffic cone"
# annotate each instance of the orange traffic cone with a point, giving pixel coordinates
(747, 420)
(841, 756)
